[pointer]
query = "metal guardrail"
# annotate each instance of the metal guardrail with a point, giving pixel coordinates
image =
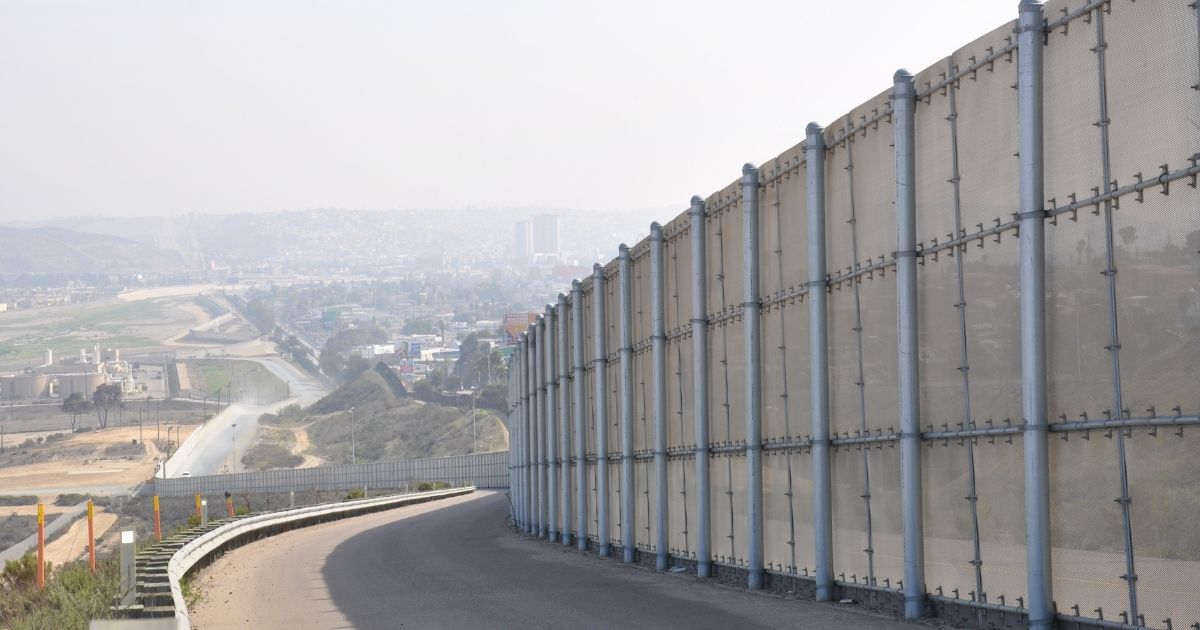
(247, 529)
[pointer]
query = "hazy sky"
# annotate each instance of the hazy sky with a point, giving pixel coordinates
(124, 108)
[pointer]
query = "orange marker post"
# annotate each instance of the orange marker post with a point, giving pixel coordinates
(91, 515)
(41, 547)
(157, 521)
(229, 506)
(197, 507)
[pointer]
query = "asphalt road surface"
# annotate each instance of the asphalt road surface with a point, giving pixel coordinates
(218, 446)
(456, 564)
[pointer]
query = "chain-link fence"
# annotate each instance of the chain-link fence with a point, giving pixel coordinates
(1083, 399)
(482, 470)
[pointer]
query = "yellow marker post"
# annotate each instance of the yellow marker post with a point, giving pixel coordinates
(197, 507)
(91, 516)
(41, 546)
(157, 520)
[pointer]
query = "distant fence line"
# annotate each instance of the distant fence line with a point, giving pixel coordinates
(944, 349)
(483, 470)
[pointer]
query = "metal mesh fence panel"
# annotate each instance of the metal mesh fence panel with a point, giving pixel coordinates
(1122, 122)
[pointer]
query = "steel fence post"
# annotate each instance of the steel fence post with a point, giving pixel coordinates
(551, 430)
(752, 326)
(529, 443)
(564, 422)
(1030, 39)
(700, 373)
(904, 143)
(625, 321)
(599, 333)
(819, 364)
(539, 409)
(579, 392)
(658, 375)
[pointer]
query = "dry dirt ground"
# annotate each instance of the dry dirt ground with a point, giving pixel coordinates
(72, 544)
(301, 447)
(83, 473)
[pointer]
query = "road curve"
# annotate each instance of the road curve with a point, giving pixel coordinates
(455, 564)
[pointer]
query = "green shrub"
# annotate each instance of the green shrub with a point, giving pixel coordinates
(70, 499)
(21, 572)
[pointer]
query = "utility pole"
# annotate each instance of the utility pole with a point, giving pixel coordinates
(353, 456)
(474, 434)
(233, 450)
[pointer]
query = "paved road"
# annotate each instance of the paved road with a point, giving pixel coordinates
(209, 449)
(456, 565)
(304, 388)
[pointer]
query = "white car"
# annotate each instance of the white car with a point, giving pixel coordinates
(185, 474)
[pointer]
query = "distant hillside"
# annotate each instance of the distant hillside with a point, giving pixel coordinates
(386, 428)
(369, 388)
(57, 250)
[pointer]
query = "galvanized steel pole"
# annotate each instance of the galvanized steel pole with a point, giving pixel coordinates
(526, 437)
(658, 375)
(539, 428)
(580, 395)
(904, 142)
(599, 334)
(514, 416)
(1030, 38)
(752, 327)
(818, 344)
(628, 529)
(518, 437)
(530, 443)
(564, 423)
(551, 431)
(700, 387)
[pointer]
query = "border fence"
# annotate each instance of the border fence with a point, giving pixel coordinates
(482, 470)
(946, 348)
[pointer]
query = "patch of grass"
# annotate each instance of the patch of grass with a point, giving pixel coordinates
(273, 449)
(249, 381)
(190, 590)
(16, 527)
(69, 499)
(125, 450)
(18, 499)
(73, 595)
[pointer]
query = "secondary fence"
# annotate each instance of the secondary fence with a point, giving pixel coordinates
(947, 347)
(482, 470)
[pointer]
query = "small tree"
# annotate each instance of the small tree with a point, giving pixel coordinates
(75, 404)
(106, 397)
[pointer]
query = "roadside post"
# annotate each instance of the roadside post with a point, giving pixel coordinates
(198, 507)
(204, 511)
(228, 504)
(91, 516)
(128, 555)
(157, 519)
(41, 546)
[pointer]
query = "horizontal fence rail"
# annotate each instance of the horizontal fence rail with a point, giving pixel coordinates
(482, 470)
(940, 357)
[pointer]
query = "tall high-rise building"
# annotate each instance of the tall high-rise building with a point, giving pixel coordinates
(523, 241)
(545, 236)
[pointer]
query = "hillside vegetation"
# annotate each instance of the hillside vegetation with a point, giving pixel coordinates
(57, 250)
(386, 428)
